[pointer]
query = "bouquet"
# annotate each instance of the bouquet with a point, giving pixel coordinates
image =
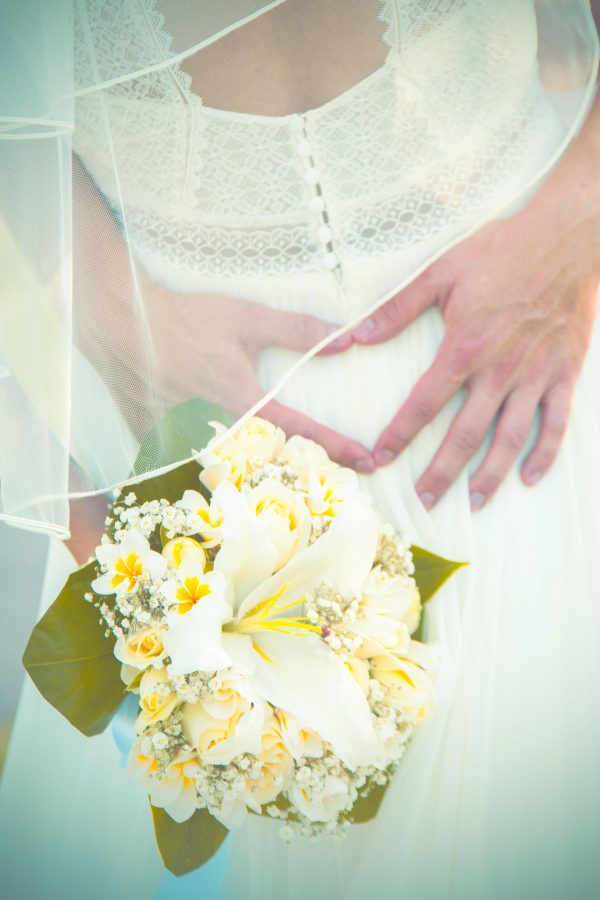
(267, 621)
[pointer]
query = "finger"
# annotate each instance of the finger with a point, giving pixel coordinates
(340, 448)
(465, 436)
(399, 312)
(510, 436)
(556, 409)
(274, 327)
(430, 394)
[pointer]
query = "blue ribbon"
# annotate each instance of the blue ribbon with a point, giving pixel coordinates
(205, 883)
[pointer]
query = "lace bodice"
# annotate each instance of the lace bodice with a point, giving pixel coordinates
(427, 137)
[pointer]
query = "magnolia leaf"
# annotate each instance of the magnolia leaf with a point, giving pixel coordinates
(185, 846)
(169, 485)
(183, 430)
(70, 660)
(366, 808)
(432, 571)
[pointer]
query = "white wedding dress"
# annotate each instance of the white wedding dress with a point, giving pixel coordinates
(499, 793)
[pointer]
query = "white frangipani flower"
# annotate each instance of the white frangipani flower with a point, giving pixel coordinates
(197, 611)
(209, 516)
(127, 563)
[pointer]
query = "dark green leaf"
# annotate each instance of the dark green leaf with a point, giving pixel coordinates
(70, 660)
(432, 571)
(182, 430)
(366, 808)
(185, 846)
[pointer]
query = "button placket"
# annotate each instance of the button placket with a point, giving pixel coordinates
(317, 202)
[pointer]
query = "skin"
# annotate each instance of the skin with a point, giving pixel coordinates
(518, 300)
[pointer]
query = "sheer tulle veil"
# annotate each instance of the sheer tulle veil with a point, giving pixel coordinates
(80, 218)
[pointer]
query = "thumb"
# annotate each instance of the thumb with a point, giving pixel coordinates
(399, 312)
(298, 331)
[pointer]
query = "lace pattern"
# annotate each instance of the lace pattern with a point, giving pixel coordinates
(421, 142)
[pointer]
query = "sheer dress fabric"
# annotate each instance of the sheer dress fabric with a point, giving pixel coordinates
(499, 793)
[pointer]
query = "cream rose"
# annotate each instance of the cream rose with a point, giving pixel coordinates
(277, 767)
(261, 440)
(409, 686)
(285, 515)
(321, 805)
(157, 699)
(217, 740)
(228, 461)
(142, 649)
(298, 738)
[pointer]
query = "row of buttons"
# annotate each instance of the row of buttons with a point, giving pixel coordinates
(317, 201)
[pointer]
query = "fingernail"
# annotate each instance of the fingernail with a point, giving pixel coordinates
(427, 499)
(533, 477)
(340, 343)
(365, 466)
(477, 499)
(365, 330)
(384, 457)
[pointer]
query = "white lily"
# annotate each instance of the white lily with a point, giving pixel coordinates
(289, 663)
(247, 556)
(127, 563)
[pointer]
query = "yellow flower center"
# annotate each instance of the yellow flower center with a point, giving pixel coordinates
(128, 569)
(190, 593)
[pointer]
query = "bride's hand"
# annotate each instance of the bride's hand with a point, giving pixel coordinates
(518, 302)
(208, 346)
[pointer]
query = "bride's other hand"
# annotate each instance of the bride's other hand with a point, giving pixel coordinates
(218, 341)
(518, 301)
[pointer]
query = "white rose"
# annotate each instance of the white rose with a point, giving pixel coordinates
(261, 440)
(300, 740)
(286, 516)
(217, 740)
(175, 790)
(228, 461)
(321, 804)
(396, 596)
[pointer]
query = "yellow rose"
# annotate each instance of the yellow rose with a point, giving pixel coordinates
(184, 549)
(409, 687)
(261, 440)
(157, 700)
(277, 766)
(218, 740)
(286, 516)
(143, 649)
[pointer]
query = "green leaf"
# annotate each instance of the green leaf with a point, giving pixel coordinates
(432, 571)
(70, 660)
(170, 485)
(185, 846)
(183, 429)
(366, 808)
